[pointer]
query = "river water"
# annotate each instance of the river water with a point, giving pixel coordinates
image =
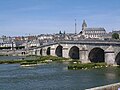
(16, 57)
(54, 76)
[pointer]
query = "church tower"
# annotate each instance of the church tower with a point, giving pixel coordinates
(84, 25)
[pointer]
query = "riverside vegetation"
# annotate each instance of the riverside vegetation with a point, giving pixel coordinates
(75, 66)
(38, 59)
(72, 64)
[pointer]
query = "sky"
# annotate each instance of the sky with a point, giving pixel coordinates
(34, 17)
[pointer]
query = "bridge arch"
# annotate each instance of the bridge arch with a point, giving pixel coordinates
(59, 51)
(40, 51)
(48, 51)
(74, 52)
(96, 55)
(117, 59)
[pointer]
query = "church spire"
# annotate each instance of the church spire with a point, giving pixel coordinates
(84, 25)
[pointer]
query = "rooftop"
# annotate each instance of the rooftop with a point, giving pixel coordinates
(94, 29)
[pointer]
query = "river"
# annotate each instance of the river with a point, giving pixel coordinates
(16, 57)
(54, 76)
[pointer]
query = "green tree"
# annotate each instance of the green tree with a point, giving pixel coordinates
(115, 36)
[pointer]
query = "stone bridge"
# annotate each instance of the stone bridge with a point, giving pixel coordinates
(83, 50)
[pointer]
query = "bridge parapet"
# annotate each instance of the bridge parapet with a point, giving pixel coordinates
(84, 42)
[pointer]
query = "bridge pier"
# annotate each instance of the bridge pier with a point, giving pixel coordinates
(65, 52)
(84, 56)
(52, 51)
(44, 52)
(34, 52)
(110, 56)
(38, 52)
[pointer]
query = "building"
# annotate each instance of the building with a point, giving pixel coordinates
(45, 37)
(92, 32)
(7, 43)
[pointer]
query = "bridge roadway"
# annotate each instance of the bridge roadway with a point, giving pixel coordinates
(102, 42)
(85, 50)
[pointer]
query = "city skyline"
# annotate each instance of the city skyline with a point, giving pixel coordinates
(35, 17)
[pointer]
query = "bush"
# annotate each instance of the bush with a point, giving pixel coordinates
(53, 58)
(115, 36)
(86, 66)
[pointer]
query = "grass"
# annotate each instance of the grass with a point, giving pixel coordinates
(10, 61)
(38, 59)
(86, 66)
(3, 55)
(73, 64)
(26, 63)
(53, 58)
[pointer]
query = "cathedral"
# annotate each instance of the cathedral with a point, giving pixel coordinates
(92, 32)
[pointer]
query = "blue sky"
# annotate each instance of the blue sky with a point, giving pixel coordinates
(24, 17)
